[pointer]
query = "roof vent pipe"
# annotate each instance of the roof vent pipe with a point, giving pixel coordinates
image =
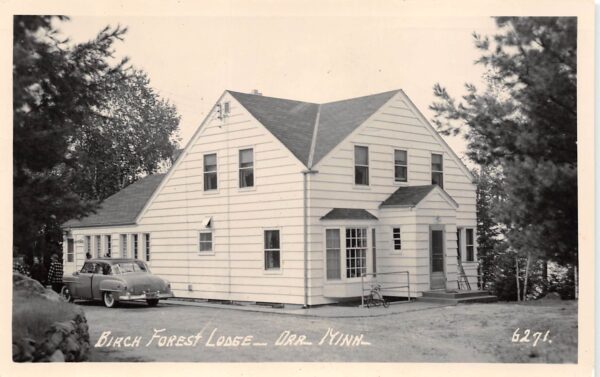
(256, 92)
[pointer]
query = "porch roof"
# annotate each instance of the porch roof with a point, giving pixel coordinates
(408, 196)
(348, 214)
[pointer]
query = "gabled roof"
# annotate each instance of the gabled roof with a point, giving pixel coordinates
(121, 208)
(348, 214)
(294, 122)
(411, 196)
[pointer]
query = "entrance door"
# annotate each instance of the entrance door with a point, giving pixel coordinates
(437, 274)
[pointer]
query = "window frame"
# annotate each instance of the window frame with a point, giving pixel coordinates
(205, 173)
(147, 245)
(355, 166)
(339, 250)
(135, 243)
(97, 245)
(470, 255)
(108, 246)
(253, 168)
(212, 242)
(459, 244)
(441, 172)
(343, 251)
(398, 165)
(399, 233)
(88, 244)
(123, 245)
(265, 249)
(347, 270)
(70, 250)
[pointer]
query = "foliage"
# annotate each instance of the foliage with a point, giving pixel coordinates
(73, 105)
(134, 131)
(524, 124)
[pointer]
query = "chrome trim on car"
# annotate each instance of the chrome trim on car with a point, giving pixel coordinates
(129, 297)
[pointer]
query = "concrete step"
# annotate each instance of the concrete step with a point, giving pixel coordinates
(483, 298)
(454, 294)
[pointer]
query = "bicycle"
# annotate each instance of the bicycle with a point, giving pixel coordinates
(375, 298)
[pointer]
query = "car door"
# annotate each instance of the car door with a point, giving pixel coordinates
(83, 286)
(101, 273)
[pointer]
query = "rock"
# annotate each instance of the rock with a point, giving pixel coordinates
(57, 357)
(552, 296)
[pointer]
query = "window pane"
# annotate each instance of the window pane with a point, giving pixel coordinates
(271, 239)
(247, 177)
(246, 158)
(356, 254)
(436, 162)
(361, 175)
(400, 173)
(210, 162)
(437, 179)
(210, 181)
(400, 157)
(333, 254)
(361, 155)
(271, 259)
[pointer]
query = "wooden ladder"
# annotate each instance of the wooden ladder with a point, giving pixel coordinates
(462, 276)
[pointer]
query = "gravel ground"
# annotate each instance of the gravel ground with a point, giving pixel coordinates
(463, 333)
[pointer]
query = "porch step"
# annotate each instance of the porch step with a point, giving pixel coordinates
(457, 297)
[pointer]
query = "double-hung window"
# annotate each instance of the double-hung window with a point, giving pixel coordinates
(210, 172)
(108, 246)
(272, 250)
(356, 252)
(470, 245)
(147, 246)
(400, 166)
(332, 251)
(135, 246)
(437, 170)
(70, 249)
(397, 238)
(205, 239)
(98, 246)
(123, 244)
(246, 167)
(361, 165)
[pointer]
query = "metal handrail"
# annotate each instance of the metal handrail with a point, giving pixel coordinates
(362, 283)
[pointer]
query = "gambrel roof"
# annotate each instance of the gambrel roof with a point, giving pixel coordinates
(294, 122)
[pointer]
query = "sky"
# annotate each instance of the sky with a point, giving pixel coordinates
(192, 60)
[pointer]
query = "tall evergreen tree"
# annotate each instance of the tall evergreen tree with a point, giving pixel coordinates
(525, 124)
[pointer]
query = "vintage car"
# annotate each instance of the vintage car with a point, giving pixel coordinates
(114, 280)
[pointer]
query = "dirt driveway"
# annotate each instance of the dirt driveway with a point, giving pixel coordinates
(464, 333)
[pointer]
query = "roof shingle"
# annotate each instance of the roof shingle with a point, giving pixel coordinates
(293, 122)
(408, 196)
(121, 208)
(348, 214)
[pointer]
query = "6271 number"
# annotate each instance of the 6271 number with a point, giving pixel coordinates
(535, 337)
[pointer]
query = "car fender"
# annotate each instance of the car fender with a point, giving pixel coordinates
(112, 285)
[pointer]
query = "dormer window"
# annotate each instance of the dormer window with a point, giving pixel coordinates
(437, 170)
(361, 165)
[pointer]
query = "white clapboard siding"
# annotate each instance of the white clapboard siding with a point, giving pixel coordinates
(235, 269)
(395, 126)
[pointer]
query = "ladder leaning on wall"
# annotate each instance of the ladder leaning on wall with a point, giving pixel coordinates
(463, 280)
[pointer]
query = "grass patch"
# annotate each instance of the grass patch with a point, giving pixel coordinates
(33, 315)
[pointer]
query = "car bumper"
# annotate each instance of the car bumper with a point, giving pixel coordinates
(145, 296)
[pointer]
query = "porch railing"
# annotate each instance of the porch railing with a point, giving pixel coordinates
(387, 288)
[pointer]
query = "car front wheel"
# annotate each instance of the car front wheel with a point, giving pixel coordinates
(152, 302)
(66, 293)
(109, 300)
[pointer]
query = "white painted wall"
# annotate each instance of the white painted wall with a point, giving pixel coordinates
(397, 125)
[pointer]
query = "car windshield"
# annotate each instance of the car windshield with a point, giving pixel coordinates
(127, 267)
